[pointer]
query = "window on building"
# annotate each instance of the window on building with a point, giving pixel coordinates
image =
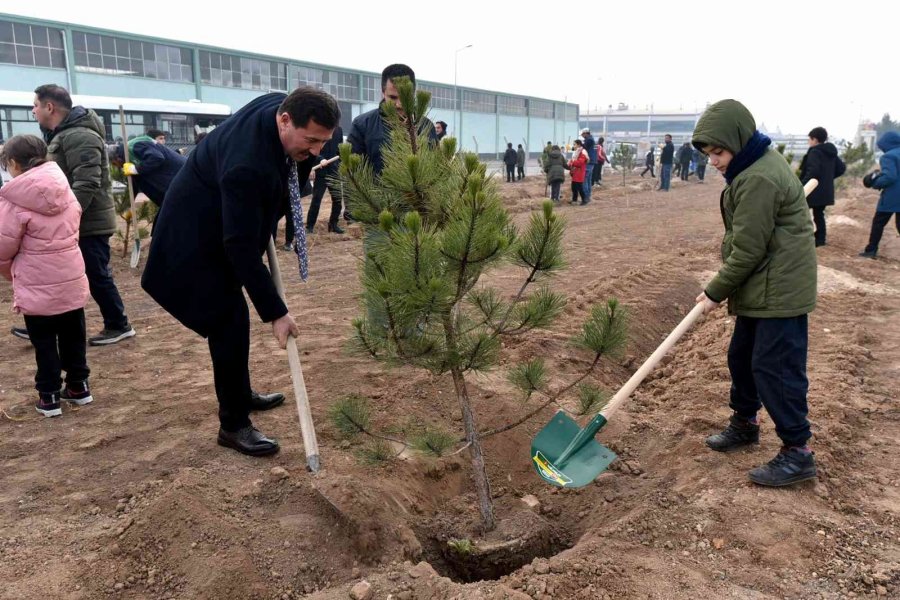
(508, 105)
(228, 70)
(31, 45)
(664, 126)
(117, 56)
(371, 89)
(541, 109)
(441, 97)
(307, 76)
(345, 85)
(479, 102)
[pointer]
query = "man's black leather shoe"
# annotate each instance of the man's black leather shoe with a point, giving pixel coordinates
(248, 441)
(265, 401)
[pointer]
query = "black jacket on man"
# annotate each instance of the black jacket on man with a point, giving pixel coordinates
(159, 165)
(217, 219)
(668, 154)
(369, 133)
(821, 162)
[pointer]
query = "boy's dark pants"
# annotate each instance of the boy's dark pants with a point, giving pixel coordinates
(59, 345)
(767, 361)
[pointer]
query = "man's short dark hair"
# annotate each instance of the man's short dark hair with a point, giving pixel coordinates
(307, 103)
(668, 135)
(819, 134)
(394, 71)
(155, 133)
(56, 94)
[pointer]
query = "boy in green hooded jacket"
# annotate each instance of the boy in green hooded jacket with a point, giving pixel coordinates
(768, 277)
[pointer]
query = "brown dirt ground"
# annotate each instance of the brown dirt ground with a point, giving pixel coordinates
(131, 498)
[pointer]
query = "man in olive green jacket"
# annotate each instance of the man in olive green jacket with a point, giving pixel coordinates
(769, 280)
(76, 141)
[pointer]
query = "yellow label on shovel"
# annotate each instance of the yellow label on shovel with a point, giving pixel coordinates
(548, 471)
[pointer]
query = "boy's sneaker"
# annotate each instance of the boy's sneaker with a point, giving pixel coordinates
(21, 333)
(791, 465)
(78, 393)
(739, 433)
(111, 336)
(48, 404)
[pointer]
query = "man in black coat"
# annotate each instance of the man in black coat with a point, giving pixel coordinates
(666, 158)
(821, 162)
(685, 154)
(509, 159)
(213, 229)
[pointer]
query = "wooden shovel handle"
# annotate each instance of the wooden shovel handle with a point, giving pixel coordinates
(307, 428)
(639, 376)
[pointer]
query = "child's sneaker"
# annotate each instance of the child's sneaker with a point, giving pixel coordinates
(790, 465)
(78, 393)
(48, 404)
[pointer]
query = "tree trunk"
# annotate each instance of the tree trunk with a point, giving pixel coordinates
(482, 485)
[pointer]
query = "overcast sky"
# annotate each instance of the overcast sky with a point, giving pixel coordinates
(796, 65)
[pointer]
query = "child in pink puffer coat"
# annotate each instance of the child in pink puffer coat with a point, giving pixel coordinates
(39, 220)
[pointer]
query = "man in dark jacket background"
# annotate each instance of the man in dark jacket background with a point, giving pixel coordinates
(324, 178)
(666, 158)
(213, 228)
(370, 130)
(152, 166)
(509, 159)
(685, 155)
(820, 162)
(76, 142)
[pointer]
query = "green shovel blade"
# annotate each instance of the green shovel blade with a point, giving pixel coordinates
(565, 455)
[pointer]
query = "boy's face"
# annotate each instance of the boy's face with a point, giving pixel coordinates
(719, 158)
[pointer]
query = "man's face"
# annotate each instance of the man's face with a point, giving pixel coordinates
(813, 142)
(438, 128)
(160, 139)
(45, 113)
(302, 142)
(719, 158)
(668, 139)
(390, 94)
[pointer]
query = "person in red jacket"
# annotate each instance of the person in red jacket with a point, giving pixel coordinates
(578, 167)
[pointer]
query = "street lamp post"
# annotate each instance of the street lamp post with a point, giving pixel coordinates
(456, 90)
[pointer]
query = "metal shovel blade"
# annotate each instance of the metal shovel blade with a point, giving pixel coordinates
(136, 254)
(583, 462)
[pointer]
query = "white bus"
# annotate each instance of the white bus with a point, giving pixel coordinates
(181, 121)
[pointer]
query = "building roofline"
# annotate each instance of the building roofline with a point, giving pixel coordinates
(246, 53)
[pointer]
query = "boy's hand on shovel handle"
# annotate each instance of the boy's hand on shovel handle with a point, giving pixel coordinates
(284, 327)
(708, 305)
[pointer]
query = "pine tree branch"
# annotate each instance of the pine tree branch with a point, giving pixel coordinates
(362, 429)
(554, 398)
(529, 280)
